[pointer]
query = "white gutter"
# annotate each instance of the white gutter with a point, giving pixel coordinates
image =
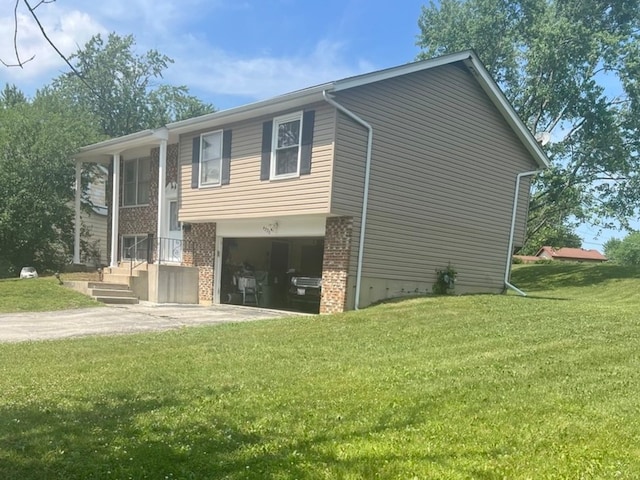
(507, 272)
(365, 195)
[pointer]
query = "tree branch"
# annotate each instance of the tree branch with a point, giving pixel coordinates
(15, 41)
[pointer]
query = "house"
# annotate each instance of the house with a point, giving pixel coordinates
(371, 183)
(566, 254)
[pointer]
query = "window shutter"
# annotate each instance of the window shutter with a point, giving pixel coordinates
(308, 119)
(265, 165)
(195, 162)
(226, 157)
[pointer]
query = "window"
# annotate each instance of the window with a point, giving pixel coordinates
(137, 176)
(174, 224)
(134, 247)
(210, 158)
(286, 146)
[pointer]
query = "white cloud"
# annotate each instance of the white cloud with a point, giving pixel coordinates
(67, 29)
(262, 76)
(153, 18)
(209, 69)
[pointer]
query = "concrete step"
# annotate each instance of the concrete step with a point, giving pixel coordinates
(108, 292)
(116, 279)
(113, 293)
(117, 300)
(125, 268)
(108, 285)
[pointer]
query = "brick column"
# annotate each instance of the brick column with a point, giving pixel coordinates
(335, 264)
(200, 246)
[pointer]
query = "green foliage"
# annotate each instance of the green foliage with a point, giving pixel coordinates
(484, 386)
(553, 60)
(445, 281)
(119, 87)
(116, 93)
(625, 251)
(610, 248)
(37, 178)
(11, 96)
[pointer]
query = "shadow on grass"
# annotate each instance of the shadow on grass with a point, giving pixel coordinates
(107, 440)
(542, 297)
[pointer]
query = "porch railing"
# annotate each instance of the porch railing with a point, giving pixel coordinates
(134, 256)
(170, 250)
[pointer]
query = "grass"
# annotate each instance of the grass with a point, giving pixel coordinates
(470, 387)
(39, 295)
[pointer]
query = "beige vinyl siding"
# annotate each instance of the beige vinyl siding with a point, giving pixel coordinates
(247, 196)
(348, 181)
(442, 178)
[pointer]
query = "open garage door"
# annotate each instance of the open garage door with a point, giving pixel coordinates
(268, 272)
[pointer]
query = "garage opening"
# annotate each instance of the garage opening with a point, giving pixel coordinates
(282, 273)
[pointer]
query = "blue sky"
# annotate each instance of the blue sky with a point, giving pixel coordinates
(230, 52)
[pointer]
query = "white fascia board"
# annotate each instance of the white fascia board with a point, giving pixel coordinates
(393, 72)
(271, 106)
(117, 145)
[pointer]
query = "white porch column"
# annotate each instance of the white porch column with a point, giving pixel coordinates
(77, 224)
(115, 209)
(162, 182)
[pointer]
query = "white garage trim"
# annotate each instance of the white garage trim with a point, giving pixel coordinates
(271, 227)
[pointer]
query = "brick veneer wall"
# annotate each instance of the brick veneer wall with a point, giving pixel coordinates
(335, 264)
(143, 219)
(200, 244)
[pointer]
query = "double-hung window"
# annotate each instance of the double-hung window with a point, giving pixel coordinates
(210, 159)
(137, 176)
(287, 137)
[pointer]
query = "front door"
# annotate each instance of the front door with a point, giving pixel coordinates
(171, 245)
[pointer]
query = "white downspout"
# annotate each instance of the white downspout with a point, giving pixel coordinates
(365, 199)
(507, 273)
(76, 227)
(115, 209)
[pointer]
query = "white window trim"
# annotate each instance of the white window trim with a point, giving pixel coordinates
(201, 163)
(137, 182)
(274, 145)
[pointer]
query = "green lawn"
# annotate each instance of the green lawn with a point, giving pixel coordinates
(39, 295)
(471, 387)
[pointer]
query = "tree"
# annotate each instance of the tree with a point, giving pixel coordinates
(611, 248)
(37, 177)
(570, 68)
(19, 61)
(119, 87)
(625, 251)
(11, 96)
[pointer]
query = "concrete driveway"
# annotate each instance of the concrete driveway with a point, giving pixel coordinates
(122, 319)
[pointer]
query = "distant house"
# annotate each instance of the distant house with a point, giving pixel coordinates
(95, 220)
(571, 255)
(369, 183)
